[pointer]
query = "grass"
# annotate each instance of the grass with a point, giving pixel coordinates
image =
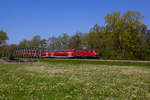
(74, 80)
(95, 62)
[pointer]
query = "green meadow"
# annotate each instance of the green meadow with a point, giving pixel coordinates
(75, 80)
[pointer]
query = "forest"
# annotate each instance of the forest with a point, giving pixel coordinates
(124, 36)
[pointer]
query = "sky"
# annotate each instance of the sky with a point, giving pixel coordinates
(23, 19)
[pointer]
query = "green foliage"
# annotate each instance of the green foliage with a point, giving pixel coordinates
(64, 41)
(96, 39)
(53, 43)
(5, 50)
(35, 42)
(24, 43)
(3, 37)
(43, 43)
(95, 62)
(76, 41)
(121, 38)
(127, 32)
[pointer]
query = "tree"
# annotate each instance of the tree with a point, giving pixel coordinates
(35, 42)
(64, 40)
(24, 43)
(147, 38)
(53, 43)
(127, 32)
(96, 38)
(7, 48)
(76, 41)
(3, 37)
(43, 43)
(96, 28)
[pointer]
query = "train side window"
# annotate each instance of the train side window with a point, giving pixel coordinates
(59, 51)
(96, 51)
(78, 51)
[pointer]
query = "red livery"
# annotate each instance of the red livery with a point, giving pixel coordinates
(70, 53)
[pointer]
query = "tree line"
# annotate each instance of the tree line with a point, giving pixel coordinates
(123, 37)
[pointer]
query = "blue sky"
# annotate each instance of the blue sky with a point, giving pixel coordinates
(23, 19)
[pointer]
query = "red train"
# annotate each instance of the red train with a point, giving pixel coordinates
(70, 53)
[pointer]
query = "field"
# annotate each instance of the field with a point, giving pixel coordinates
(75, 80)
